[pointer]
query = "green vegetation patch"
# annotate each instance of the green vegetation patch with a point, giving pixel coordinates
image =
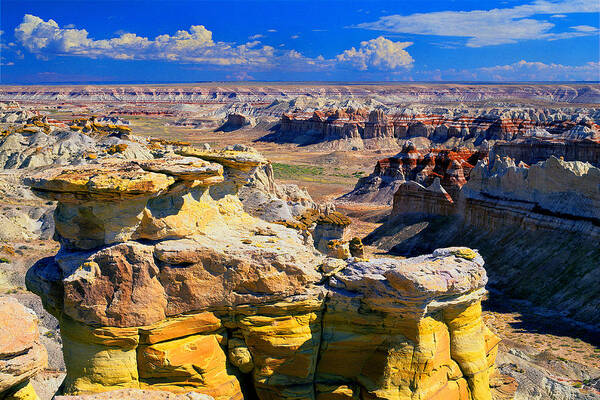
(287, 171)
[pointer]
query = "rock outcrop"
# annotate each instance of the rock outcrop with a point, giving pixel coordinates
(236, 121)
(556, 188)
(533, 224)
(452, 127)
(89, 141)
(34, 148)
(163, 282)
(21, 353)
(452, 167)
(532, 151)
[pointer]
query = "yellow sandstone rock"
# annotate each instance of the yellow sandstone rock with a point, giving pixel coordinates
(180, 326)
(99, 359)
(25, 392)
(468, 346)
(177, 292)
(194, 362)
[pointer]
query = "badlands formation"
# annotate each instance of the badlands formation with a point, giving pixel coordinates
(177, 264)
(164, 282)
(552, 207)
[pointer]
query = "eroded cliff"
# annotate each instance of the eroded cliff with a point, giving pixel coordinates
(164, 282)
(538, 226)
(452, 167)
(390, 126)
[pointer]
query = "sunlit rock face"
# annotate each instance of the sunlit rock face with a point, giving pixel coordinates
(164, 282)
(21, 353)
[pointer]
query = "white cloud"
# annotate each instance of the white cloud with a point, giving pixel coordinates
(196, 45)
(538, 71)
(257, 36)
(520, 71)
(488, 27)
(379, 53)
(558, 16)
(46, 38)
(272, 30)
(584, 28)
(294, 36)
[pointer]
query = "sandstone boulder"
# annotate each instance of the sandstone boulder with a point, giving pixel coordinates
(21, 353)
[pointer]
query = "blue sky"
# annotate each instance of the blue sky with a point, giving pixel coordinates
(189, 41)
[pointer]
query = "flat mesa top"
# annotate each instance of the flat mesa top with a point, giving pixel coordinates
(128, 178)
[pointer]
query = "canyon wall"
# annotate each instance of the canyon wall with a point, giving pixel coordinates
(537, 226)
(532, 151)
(164, 282)
(451, 125)
(452, 167)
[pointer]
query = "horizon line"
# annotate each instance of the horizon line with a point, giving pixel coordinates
(115, 83)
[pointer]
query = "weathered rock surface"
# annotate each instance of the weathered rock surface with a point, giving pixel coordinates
(179, 289)
(388, 126)
(452, 167)
(21, 353)
(533, 224)
(236, 121)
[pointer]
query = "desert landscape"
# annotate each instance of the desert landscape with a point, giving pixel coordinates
(300, 241)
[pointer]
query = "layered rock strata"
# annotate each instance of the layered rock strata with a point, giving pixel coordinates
(553, 194)
(254, 93)
(532, 151)
(474, 126)
(163, 282)
(534, 224)
(452, 167)
(21, 353)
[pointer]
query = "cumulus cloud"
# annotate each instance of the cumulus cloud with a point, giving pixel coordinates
(196, 45)
(257, 36)
(489, 27)
(379, 53)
